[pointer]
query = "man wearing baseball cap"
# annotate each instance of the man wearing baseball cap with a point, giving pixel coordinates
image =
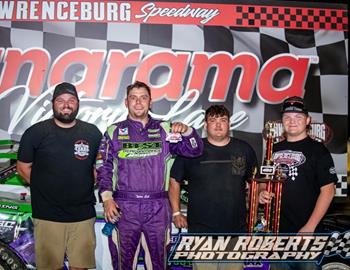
(65, 88)
(56, 157)
(308, 170)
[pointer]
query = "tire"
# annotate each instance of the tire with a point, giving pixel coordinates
(9, 260)
(335, 266)
(3, 267)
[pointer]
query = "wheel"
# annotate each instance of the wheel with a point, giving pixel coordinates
(9, 260)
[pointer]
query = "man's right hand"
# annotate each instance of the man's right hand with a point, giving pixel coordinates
(180, 221)
(111, 211)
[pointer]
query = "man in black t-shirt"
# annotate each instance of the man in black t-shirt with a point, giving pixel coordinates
(56, 157)
(216, 183)
(310, 177)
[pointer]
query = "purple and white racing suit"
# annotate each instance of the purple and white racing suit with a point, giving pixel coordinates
(132, 166)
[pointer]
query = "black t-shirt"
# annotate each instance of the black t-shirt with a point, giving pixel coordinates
(62, 177)
(307, 166)
(216, 183)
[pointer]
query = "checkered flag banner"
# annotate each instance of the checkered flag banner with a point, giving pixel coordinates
(248, 57)
(338, 244)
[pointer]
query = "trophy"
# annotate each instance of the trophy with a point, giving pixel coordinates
(265, 221)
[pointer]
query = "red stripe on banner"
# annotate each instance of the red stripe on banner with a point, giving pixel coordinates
(176, 13)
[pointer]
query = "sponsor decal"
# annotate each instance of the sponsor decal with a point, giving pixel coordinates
(332, 170)
(81, 149)
(8, 224)
(103, 145)
(99, 160)
(142, 145)
(131, 150)
(153, 130)
(7, 230)
(123, 137)
(123, 131)
(11, 207)
(193, 142)
(157, 135)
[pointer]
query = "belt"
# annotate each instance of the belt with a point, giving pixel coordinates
(141, 195)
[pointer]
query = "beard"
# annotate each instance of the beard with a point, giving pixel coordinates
(65, 117)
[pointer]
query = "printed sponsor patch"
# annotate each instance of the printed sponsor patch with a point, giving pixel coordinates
(153, 130)
(7, 229)
(99, 160)
(193, 142)
(142, 145)
(123, 137)
(157, 135)
(102, 145)
(332, 170)
(131, 150)
(81, 149)
(123, 131)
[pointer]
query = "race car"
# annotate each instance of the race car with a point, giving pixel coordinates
(16, 226)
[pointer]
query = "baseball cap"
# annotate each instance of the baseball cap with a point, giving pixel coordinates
(64, 88)
(294, 104)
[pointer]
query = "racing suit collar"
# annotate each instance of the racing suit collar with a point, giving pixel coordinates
(138, 124)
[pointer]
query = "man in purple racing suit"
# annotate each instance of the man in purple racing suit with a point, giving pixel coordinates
(132, 174)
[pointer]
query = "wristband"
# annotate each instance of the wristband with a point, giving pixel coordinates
(176, 213)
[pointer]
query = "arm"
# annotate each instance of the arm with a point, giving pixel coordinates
(327, 179)
(179, 220)
(191, 144)
(98, 159)
(24, 169)
(105, 170)
(94, 174)
(26, 152)
(321, 207)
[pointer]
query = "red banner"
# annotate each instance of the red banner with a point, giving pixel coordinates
(176, 13)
